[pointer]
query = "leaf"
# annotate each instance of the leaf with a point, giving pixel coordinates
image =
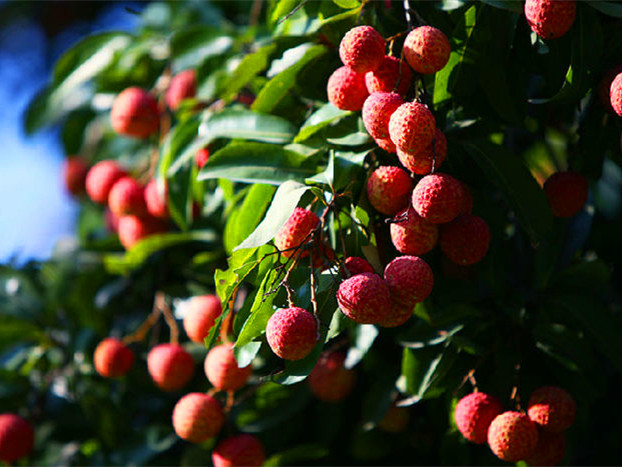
(261, 311)
(297, 455)
(347, 4)
(364, 336)
(609, 8)
(282, 9)
(249, 67)
(13, 330)
(320, 119)
(191, 46)
(423, 371)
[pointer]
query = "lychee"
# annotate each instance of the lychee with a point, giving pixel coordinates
(615, 94)
(197, 417)
(356, 265)
(127, 196)
(385, 78)
(133, 229)
(75, 169)
(550, 19)
(474, 413)
(421, 162)
(512, 437)
(410, 279)
(170, 366)
(412, 127)
(296, 230)
(549, 451)
(377, 111)
(411, 234)
(201, 157)
(346, 89)
(426, 49)
(395, 420)
(386, 145)
(398, 315)
(112, 358)
(363, 298)
(329, 380)
(465, 240)
(156, 199)
(239, 451)
(183, 86)
(292, 333)
(101, 178)
(362, 49)
(135, 113)
(438, 198)
(604, 87)
(389, 189)
(552, 408)
(222, 370)
(566, 192)
(201, 313)
(17, 437)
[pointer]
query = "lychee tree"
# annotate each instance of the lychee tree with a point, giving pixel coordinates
(309, 229)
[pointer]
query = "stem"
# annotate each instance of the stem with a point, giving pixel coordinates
(168, 317)
(255, 12)
(313, 297)
(144, 328)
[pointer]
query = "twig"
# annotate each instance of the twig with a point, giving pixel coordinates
(144, 328)
(255, 12)
(293, 12)
(168, 317)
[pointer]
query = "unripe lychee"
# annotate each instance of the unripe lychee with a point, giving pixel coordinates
(411, 234)
(552, 408)
(127, 196)
(156, 199)
(362, 49)
(474, 413)
(112, 358)
(16, 437)
(377, 111)
(197, 417)
(615, 94)
(389, 189)
(395, 419)
(566, 192)
(412, 127)
(363, 298)
(133, 229)
(239, 451)
(201, 157)
(426, 49)
(356, 265)
(183, 86)
(386, 145)
(549, 451)
(550, 19)
(222, 370)
(201, 313)
(296, 230)
(410, 279)
(346, 89)
(292, 333)
(135, 113)
(398, 315)
(465, 240)
(438, 198)
(170, 366)
(75, 169)
(512, 437)
(101, 178)
(385, 78)
(329, 380)
(421, 162)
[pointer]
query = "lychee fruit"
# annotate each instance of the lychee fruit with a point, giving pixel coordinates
(386, 145)
(385, 78)
(183, 86)
(17, 437)
(395, 420)
(239, 451)
(362, 49)
(552, 408)
(615, 94)
(412, 127)
(356, 265)
(100, 179)
(411, 234)
(197, 417)
(201, 314)
(398, 315)
(550, 19)
(512, 437)
(170, 366)
(201, 157)
(112, 358)
(156, 199)
(127, 196)
(389, 189)
(474, 413)
(566, 192)
(363, 298)
(75, 169)
(222, 370)
(329, 380)
(377, 111)
(296, 230)
(604, 87)
(426, 49)
(422, 162)
(135, 113)
(549, 451)
(465, 240)
(410, 279)
(346, 89)
(292, 333)
(438, 198)
(133, 229)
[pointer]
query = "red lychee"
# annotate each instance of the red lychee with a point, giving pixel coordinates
(385, 78)
(411, 234)
(386, 144)
(615, 94)
(364, 298)
(296, 230)
(201, 157)
(474, 413)
(389, 189)
(431, 157)
(550, 19)
(356, 265)
(292, 333)
(465, 240)
(398, 315)
(412, 127)
(201, 313)
(156, 199)
(222, 370)
(549, 451)
(410, 279)
(362, 49)
(127, 196)
(239, 451)
(133, 229)
(604, 87)
(17, 437)
(170, 366)
(377, 111)
(183, 86)
(197, 417)
(552, 408)
(426, 49)
(567, 193)
(112, 358)
(135, 113)
(512, 437)
(395, 420)
(346, 89)
(101, 178)
(75, 169)
(438, 198)
(329, 380)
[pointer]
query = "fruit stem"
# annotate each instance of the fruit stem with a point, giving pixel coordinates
(168, 317)
(144, 328)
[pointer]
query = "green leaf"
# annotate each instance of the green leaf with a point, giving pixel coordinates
(424, 370)
(320, 119)
(282, 9)
(297, 455)
(190, 47)
(609, 8)
(364, 336)
(249, 67)
(14, 330)
(261, 311)
(347, 4)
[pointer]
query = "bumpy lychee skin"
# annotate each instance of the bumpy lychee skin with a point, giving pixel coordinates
(239, 451)
(133, 229)
(127, 196)
(292, 333)
(201, 157)
(549, 451)
(432, 157)
(427, 49)
(398, 315)
(604, 87)
(356, 265)
(412, 127)
(438, 198)
(566, 192)
(201, 313)
(197, 417)
(295, 231)
(135, 113)
(222, 370)
(389, 189)
(346, 89)
(550, 19)
(386, 145)
(112, 358)
(101, 178)
(377, 111)
(385, 78)
(410, 279)
(615, 94)
(474, 413)
(329, 380)
(512, 437)
(155, 199)
(362, 49)
(465, 240)
(411, 234)
(183, 86)
(75, 169)
(17, 437)
(552, 408)
(363, 298)
(170, 366)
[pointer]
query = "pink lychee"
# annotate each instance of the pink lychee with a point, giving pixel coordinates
(377, 111)
(385, 78)
(421, 162)
(410, 279)
(346, 89)
(329, 380)
(474, 414)
(292, 333)
(512, 437)
(222, 370)
(411, 234)
(552, 408)
(426, 49)
(296, 230)
(550, 19)
(100, 179)
(135, 113)
(566, 192)
(465, 240)
(201, 313)
(183, 86)
(112, 358)
(362, 49)
(170, 366)
(197, 417)
(412, 127)
(363, 298)
(242, 450)
(389, 189)
(438, 198)
(17, 438)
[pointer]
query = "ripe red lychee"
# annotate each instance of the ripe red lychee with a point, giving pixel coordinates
(346, 89)
(183, 86)
(239, 451)
(156, 199)
(292, 333)
(197, 417)
(133, 229)
(552, 408)
(512, 437)
(296, 230)
(201, 313)
(386, 145)
(567, 193)
(465, 240)
(362, 49)
(426, 49)
(421, 162)
(75, 169)
(17, 437)
(411, 234)
(222, 370)
(127, 196)
(364, 298)
(329, 380)
(412, 127)
(389, 189)
(604, 87)
(201, 157)
(395, 420)
(474, 413)
(112, 358)
(549, 451)
(101, 178)
(385, 78)
(438, 198)
(615, 94)
(135, 113)
(356, 265)
(398, 315)
(550, 19)
(377, 111)
(410, 279)
(170, 366)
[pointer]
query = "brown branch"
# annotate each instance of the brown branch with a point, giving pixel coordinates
(168, 317)
(140, 334)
